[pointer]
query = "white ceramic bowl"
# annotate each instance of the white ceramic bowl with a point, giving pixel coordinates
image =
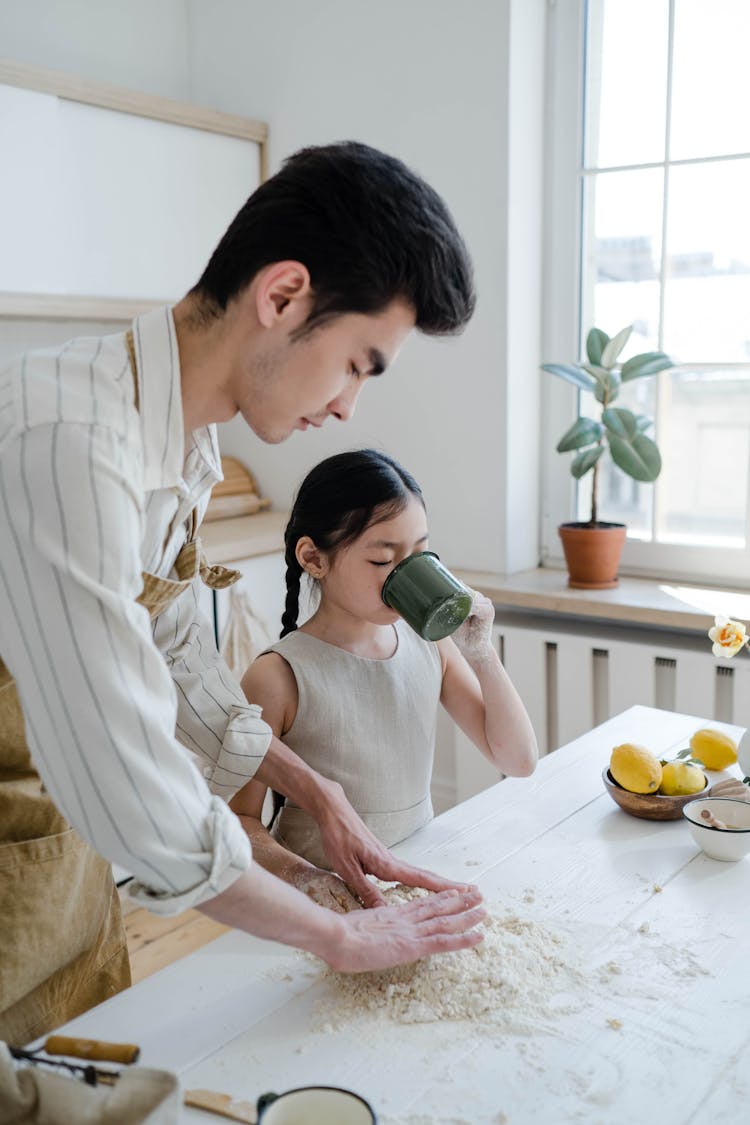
(719, 843)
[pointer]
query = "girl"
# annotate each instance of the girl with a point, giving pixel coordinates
(354, 691)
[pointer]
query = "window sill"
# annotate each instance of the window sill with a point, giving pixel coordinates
(635, 601)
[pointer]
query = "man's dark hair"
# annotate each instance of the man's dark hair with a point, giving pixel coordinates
(368, 229)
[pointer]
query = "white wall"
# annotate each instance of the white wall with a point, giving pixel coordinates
(431, 82)
(141, 44)
(453, 88)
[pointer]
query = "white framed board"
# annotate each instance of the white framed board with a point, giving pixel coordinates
(111, 201)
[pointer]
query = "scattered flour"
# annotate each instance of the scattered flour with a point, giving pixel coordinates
(525, 975)
(552, 997)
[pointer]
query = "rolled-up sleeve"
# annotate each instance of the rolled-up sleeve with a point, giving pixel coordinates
(214, 719)
(99, 702)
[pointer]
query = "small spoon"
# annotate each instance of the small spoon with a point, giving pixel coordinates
(713, 822)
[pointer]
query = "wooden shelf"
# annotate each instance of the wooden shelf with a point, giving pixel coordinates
(244, 537)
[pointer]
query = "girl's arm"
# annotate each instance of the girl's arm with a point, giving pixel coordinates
(478, 695)
(269, 681)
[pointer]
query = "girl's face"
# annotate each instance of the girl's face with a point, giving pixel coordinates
(355, 575)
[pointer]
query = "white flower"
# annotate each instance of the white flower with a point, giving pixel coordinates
(728, 637)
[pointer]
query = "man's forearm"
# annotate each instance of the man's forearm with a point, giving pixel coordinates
(263, 905)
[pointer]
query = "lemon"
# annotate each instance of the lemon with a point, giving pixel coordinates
(678, 779)
(715, 750)
(635, 768)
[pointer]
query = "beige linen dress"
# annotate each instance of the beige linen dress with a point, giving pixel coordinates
(368, 724)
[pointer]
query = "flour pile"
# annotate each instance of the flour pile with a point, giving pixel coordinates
(519, 978)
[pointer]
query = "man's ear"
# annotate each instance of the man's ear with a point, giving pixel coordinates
(312, 561)
(282, 288)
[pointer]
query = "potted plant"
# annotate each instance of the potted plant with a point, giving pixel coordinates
(592, 549)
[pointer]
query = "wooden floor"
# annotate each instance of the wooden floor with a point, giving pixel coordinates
(154, 942)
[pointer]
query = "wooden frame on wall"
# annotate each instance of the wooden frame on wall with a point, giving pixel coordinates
(18, 303)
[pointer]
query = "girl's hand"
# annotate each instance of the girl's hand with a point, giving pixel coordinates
(325, 889)
(473, 638)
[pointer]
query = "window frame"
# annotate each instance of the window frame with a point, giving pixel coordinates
(565, 177)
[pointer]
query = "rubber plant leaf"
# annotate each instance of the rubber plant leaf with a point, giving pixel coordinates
(620, 422)
(584, 431)
(647, 363)
(639, 458)
(596, 342)
(615, 346)
(608, 389)
(575, 375)
(585, 460)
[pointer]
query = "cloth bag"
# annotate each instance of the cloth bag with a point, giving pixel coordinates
(244, 635)
(31, 1095)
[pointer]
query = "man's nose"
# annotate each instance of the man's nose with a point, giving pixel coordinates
(343, 406)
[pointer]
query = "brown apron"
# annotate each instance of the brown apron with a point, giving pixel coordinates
(62, 942)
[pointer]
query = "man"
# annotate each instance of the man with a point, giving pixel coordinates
(107, 456)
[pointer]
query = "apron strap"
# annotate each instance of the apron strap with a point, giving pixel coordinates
(130, 345)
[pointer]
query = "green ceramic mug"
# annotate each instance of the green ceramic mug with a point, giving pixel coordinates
(427, 596)
(315, 1105)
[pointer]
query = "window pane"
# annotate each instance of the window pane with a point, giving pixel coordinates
(707, 294)
(622, 244)
(626, 88)
(703, 437)
(711, 78)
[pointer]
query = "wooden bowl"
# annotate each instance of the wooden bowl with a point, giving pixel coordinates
(650, 806)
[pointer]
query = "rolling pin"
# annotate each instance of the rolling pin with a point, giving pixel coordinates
(91, 1049)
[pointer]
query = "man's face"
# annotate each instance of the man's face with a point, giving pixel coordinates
(296, 383)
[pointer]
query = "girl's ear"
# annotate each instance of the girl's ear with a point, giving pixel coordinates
(312, 561)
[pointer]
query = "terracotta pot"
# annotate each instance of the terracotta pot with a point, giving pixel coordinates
(592, 553)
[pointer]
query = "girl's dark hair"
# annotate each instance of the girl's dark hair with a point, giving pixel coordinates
(336, 502)
(368, 229)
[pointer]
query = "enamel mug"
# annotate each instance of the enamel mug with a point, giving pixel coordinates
(315, 1105)
(427, 596)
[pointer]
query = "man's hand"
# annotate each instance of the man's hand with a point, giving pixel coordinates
(361, 940)
(398, 935)
(355, 852)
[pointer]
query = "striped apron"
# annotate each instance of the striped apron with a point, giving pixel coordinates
(62, 942)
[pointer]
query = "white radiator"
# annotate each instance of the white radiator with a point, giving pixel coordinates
(573, 676)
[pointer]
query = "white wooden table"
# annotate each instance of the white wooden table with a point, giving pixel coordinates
(672, 1044)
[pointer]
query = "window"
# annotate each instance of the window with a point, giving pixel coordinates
(661, 193)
